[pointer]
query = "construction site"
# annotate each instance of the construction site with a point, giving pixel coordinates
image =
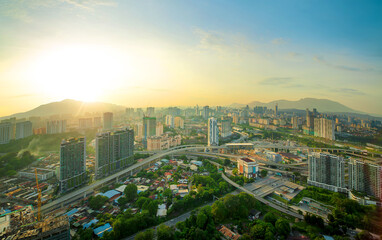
(24, 224)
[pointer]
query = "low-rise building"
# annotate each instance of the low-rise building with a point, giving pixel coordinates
(248, 167)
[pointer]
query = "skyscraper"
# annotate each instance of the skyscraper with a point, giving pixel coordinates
(366, 177)
(150, 111)
(23, 129)
(213, 132)
(327, 171)
(179, 122)
(149, 127)
(129, 112)
(276, 109)
(85, 123)
(114, 152)
(206, 112)
(107, 120)
(309, 119)
(226, 129)
(170, 121)
(56, 126)
(159, 129)
(72, 163)
(324, 128)
(5, 132)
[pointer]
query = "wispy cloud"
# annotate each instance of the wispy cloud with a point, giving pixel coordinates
(23, 9)
(276, 81)
(23, 96)
(348, 91)
(226, 43)
(337, 66)
(150, 89)
(279, 41)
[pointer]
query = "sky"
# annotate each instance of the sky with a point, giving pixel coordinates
(173, 52)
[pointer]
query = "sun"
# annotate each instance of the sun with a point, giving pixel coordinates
(81, 72)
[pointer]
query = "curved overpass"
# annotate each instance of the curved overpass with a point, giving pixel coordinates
(84, 191)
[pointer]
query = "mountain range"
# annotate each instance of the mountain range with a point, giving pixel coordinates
(68, 106)
(322, 105)
(78, 108)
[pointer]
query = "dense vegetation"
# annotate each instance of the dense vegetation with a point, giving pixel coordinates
(207, 188)
(44, 143)
(235, 209)
(10, 163)
(96, 202)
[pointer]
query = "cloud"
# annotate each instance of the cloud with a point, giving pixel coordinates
(276, 81)
(279, 41)
(348, 91)
(22, 9)
(341, 67)
(210, 40)
(294, 54)
(224, 43)
(23, 96)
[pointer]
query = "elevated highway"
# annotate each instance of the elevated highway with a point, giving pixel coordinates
(82, 192)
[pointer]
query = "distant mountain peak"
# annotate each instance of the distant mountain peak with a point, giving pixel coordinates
(322, 105)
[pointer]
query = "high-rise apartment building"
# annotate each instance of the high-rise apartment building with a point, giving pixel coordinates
(327, 171)
(129, 112)
(55, 126)
(206, 112)
(170, 121)
(276, 109)
(213, 132)
(149, 127)
(72, 163)
(24, 129)
(97, 122)
(5, 132)
(138, 131)
(366, 177)
(179, 122)
(226, 129)
(85, 123)
(159, 129)
(295, 122)
(309, 119)
(324, 128)
(150, 111)
(114, 152)
(108, 120)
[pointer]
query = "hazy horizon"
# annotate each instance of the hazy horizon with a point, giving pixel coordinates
(178, 53)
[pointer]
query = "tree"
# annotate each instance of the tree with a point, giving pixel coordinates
(227, 162)
(270, 218)
(131, 192)
(165, 233)
(282, 227)
(364, 235)
(219, 211)
(201, 220)
(234, 171)
(146, 235)
(167, 193)
(97, 202)
(263, 173)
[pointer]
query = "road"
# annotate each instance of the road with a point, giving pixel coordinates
(268, 203)
(181, 218)
(81, 192)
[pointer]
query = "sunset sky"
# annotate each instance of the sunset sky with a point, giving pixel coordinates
(171, 53)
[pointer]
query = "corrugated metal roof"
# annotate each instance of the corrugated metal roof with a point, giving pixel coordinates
(101, 230)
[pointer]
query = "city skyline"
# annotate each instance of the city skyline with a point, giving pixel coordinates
(214, 53)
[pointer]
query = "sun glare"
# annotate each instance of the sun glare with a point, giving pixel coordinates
(77, 72)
